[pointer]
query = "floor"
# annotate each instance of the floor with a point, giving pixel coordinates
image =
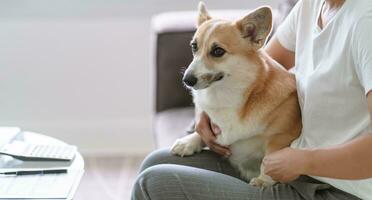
(108, 178)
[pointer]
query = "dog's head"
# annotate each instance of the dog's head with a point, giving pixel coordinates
(223, 49)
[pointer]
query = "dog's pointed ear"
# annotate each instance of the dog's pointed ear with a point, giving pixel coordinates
(203, 15)
(256, 26)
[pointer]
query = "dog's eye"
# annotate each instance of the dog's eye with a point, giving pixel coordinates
(194, 47)
(218, 52)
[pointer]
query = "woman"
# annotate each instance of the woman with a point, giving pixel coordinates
(328, 41)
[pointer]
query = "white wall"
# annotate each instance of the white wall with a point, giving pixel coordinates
(80, 70)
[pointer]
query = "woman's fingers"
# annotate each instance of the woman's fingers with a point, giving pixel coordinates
(209, 138)
(216, 130)
(204, 129)
(222, 150)
(208, 132)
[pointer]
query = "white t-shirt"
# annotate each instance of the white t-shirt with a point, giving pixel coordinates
(334, 74)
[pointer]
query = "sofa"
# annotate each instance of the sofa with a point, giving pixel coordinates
(171, 35)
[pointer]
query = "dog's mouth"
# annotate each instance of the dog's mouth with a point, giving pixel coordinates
(218, 77)
(207, 80)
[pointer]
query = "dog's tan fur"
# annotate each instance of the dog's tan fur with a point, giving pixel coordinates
(255, 104)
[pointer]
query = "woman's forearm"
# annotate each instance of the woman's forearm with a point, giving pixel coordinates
(352, 160)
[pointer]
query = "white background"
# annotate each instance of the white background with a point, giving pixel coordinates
(80, 70)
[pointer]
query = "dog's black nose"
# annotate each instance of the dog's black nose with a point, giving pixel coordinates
(190, 80)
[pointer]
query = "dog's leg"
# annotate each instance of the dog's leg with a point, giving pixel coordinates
(187, 145)
(262, 180)
(275, 143)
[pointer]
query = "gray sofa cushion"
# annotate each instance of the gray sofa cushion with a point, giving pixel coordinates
(172, 124)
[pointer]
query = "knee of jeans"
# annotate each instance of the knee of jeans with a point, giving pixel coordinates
(159, 156)
(151, 177)
(140, 187)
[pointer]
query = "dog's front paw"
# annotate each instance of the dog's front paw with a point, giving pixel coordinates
(185, 147)
(261, 182)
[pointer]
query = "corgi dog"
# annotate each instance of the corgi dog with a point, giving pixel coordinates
(249, 96)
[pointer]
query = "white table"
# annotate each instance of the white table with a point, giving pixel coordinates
(76, 164)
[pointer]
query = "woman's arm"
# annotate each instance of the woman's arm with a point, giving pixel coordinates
(279, 53)
(351, 160)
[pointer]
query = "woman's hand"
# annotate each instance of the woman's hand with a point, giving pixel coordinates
(208, 132)
(286, 164)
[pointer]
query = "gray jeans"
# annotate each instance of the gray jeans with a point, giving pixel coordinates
(208, 176)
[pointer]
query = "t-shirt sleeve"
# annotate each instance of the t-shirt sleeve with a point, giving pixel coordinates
(286, 32)
(362, 52)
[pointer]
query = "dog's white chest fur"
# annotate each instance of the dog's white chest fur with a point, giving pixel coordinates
(223, 110)
(242, 136)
